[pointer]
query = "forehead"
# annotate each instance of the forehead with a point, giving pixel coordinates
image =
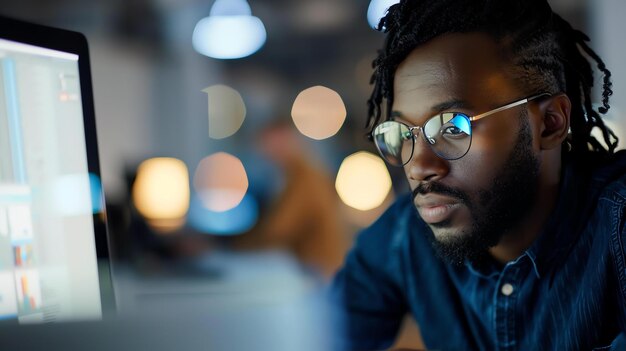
(467, 68)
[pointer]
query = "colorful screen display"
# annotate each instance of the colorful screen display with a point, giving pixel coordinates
(48, 263)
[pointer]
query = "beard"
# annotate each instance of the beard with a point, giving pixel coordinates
(498, 209)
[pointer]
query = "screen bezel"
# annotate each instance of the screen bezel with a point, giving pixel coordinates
(75, 43)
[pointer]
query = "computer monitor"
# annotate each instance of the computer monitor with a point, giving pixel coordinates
(53, 244)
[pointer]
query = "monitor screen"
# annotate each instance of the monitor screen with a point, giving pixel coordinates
(49, 198)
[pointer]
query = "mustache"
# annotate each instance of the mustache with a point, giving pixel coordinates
(438, 188)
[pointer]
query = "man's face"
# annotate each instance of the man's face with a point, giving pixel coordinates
(472, 202)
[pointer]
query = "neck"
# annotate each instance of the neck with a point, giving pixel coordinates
(516, 242)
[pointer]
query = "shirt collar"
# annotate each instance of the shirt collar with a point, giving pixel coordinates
(488, 269)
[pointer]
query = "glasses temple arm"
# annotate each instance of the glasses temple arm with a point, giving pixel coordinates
(513, 104)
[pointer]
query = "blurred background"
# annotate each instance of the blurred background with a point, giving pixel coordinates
(243, 166)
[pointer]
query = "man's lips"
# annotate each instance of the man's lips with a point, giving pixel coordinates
(435, 208)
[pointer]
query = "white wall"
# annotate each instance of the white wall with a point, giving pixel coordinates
(121, 83)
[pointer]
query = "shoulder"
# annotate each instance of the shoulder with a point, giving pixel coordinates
(610, 212)
(610, 180)
(612, 204)
(615, 192)
(603, 181)
(388, 231)
(595, 195)
(368, 292)
(377, 250)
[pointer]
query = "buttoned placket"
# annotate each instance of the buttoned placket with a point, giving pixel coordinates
(505, 301)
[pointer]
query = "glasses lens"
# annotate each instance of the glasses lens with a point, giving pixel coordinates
(394, 141)
(449, 135)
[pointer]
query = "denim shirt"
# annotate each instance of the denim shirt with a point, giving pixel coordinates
(566, 292)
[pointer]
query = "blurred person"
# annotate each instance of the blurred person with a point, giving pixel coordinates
(513, 235)
(304, 219)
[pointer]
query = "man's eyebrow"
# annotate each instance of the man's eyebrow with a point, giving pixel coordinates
(443, 106)
(446, 105)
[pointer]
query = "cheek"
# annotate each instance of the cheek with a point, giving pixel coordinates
(472, 173)
(490, 150)
(492, 143)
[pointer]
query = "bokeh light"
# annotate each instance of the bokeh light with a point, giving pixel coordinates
(220, 182)
(230, 31)
(161, 190)
(227, 111)
(236, 220)
(377, 10)
(318, 112)
(363, 181)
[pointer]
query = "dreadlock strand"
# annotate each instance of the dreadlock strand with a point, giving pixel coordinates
(607, 84)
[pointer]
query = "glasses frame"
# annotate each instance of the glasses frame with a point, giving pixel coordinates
(420, 129)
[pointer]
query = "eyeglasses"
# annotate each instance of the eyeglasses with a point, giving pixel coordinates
(448, 134)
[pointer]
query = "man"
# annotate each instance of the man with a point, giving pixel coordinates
(513, 237)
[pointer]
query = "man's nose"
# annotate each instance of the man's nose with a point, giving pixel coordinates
(425, 165)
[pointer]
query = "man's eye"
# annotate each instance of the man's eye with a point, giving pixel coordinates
(453, 132)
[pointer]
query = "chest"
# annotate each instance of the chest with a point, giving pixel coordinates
(570, 306)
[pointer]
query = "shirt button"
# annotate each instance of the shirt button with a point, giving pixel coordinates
(507, 289)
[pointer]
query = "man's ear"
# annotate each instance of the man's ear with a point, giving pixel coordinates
(555, 122)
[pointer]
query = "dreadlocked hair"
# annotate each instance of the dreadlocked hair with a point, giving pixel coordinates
(546, 53)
